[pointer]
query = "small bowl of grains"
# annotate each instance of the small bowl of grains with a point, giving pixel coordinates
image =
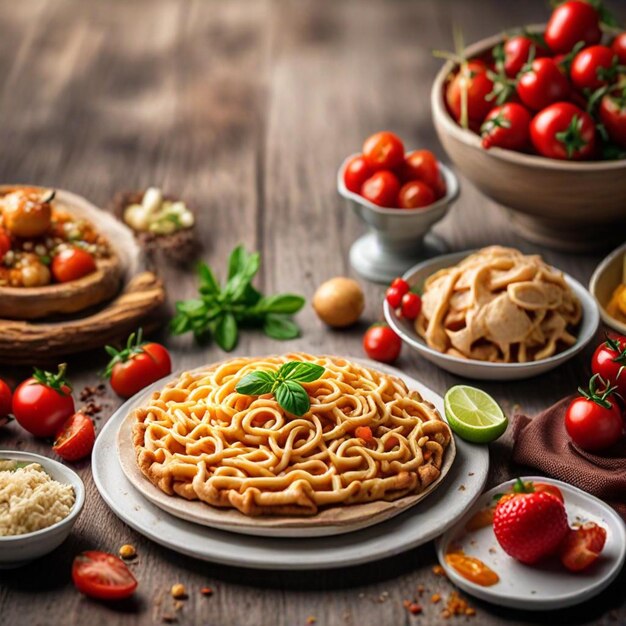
(40, 500)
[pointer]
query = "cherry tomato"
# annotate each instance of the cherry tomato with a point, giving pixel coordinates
(383, 151)
(75, 440)
(382, 189)
(612, 111)
(357, 171)
(382, 344)
(137, 365)
(43, 403)
(421, 165)
(415, 195)
(5, 399)
(542, 84)
(393, 295)
(475, 79)
(411, 305)
(609, 361)
(72, 264)
(507, 126)
(582, 546)
(593, 67)
(563, 131)
(103, 576)
(400, 284)
(594, 420)
(619, 48)
(5, 243)
(517, 51)
(571, 22)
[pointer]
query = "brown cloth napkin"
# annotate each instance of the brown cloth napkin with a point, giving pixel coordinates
(543, 442)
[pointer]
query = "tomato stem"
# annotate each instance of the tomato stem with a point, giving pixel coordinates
(58, 382)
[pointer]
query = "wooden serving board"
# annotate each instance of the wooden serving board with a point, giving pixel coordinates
(139, 302)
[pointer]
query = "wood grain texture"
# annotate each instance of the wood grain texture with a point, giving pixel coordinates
(246, 109)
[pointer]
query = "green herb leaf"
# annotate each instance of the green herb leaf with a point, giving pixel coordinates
(226, 333)
(300, 371)
(256, 383)
(236, 261)
(286, 303)
(293, 397)
(280, 327)
(208, 282)
(237, 284)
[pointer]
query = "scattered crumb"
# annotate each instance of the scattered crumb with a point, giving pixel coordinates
(438, 570)
(492, 550)
(420, 590)
(457, 605)
(178, 605)
(127, 551)
(169, 619)
(178, 591)
(435, 598)
(311, 619)
(470, 473)
(461, 487)
(92, 391)
(383, 597)
(206, 591)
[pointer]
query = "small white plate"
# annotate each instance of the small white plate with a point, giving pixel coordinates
(548, 585)
(484, 370)
(421, 523)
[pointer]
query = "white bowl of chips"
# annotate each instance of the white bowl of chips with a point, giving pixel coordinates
(568, 342)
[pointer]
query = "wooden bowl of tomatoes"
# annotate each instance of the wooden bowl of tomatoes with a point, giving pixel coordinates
(537, 121)
(400, 196)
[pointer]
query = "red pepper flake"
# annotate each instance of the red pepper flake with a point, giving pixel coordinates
(438, 570)
(414, 608)
(206, 591)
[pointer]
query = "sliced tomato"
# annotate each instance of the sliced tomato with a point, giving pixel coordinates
(5, 243)
(582, 546)
(103, 576)
(75, 440)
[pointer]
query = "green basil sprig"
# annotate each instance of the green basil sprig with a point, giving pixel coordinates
(220, 311)
(285, 384)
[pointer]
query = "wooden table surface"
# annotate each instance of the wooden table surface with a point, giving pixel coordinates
(246, 109)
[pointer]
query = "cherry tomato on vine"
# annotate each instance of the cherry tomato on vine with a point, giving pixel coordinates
(420, 165)
(619, 48)
(474, 77)
(542, 84)
(609, 361)
(383, 151)
(5, 243)
(400, 284)
(571, 22)
(563, 131)
(517, 52)
(612, 111)
(356, 172)
(103, 576)
(43, 403)
(72, 264)
(5, 400)
(593, 67)
(594, 420)
(415, 194)
(75, 440)
(396, 290)
(507, 126)
(411, 306)
(137, 365)
(382, 189)
(382, 344)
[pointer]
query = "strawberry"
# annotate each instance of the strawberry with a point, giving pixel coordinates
(530, 526)
(582, 546)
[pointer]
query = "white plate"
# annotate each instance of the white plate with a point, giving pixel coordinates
(484, 370)
(545, 586)
(423, 522)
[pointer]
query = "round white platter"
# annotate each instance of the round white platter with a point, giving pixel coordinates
(547, 585)
(423, 522)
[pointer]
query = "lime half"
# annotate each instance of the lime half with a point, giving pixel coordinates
(473, 414)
